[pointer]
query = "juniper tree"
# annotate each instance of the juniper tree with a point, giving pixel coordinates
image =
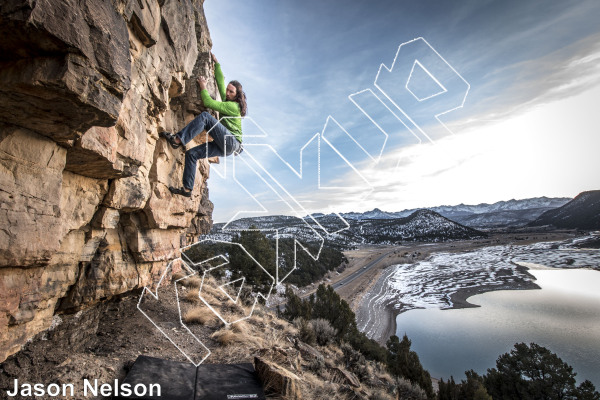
(534, 372)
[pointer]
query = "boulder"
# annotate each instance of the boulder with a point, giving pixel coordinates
(94, 154)
(278, 379)
(308, 352)
(346, 377)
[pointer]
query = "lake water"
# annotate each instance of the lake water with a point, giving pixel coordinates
(564, 317)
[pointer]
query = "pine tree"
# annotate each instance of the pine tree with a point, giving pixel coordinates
(256, 261)
(295, 307)
(473, 388)
(405, 363)
(330, 306)
(532, 372)
(587, 391)
(449, 390)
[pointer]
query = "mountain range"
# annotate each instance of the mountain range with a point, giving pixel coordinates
(421, 225)
(511, 213)
(583, 212)
(432, 225)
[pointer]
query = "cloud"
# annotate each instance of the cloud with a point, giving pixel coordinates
(541, 144)
(518, 57)
(521, 86)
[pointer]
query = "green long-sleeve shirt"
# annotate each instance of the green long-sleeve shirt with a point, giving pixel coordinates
(224, 108)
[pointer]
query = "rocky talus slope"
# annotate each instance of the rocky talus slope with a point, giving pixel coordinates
(85, 213)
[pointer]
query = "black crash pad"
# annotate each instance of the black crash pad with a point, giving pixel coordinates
(184, 381)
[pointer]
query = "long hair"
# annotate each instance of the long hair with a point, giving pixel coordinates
(240, 97)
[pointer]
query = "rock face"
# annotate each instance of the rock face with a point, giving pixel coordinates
(85, 211)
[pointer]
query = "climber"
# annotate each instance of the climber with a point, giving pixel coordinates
(227, 135)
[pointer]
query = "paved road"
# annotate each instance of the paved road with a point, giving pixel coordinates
(344, 281)
(360, 271)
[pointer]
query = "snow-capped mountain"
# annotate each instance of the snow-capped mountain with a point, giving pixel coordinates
(373, 214)
(380, 227)
(583, 212)
(421, 225)
(496, 215)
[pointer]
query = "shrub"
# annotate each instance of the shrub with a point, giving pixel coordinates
(379, 395)
(324, 332)
(355, 361)
(409, 391)
(316, 365)
(305, 331)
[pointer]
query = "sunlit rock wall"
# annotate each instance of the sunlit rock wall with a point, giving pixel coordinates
(85, 214)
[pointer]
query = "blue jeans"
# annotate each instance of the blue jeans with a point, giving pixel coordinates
(223, 144)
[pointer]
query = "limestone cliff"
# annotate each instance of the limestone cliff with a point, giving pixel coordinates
(85, 214)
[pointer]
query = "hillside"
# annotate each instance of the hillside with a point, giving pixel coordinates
(292, 364)
(583, 212)
(421, 225)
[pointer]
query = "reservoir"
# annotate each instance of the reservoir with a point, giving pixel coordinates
(564, 316)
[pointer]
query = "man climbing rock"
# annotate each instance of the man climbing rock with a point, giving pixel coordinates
(227, 134)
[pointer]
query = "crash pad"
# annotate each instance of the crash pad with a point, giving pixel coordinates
(184, 381)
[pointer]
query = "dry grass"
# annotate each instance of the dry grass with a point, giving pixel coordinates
(209, 298)
(226, 337)
(315, 387)
(258, 319)
(200, 315)
(192, 295)
(193, 281)
(178, 275)
(240, 335)
(210, 287)
(381, 395)
(241, 327)
(210, 293)
(273, 337)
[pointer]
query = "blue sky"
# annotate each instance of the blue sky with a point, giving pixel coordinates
(528, 126)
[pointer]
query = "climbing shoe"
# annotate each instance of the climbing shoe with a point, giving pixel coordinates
(180, 191)
(170, 139)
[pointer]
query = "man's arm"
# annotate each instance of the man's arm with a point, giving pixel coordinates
(228, 108)
(220, 78)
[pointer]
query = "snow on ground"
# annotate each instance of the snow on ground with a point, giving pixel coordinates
(431, 283)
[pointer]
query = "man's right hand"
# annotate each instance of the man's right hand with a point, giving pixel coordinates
(202, 81)
(214, 58)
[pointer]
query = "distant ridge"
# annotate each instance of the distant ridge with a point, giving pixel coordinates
(421, 225)
(583, 212)
(511, 213)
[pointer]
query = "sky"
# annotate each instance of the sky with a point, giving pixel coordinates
(405, 104)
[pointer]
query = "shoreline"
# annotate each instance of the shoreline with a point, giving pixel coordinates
(459, 299)
(384, 314)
